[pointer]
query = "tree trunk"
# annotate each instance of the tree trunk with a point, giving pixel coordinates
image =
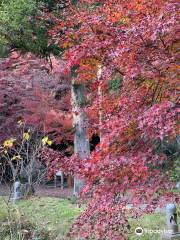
(100, 99)
(81, 141)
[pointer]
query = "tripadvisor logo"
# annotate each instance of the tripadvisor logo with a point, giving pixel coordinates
(139, 231)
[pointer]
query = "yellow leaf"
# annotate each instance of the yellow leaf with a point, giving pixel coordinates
(17, 157)
(9, 143)
(26, 136)
(47, 141)
(44, 140)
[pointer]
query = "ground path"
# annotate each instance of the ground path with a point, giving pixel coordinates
(43, 191)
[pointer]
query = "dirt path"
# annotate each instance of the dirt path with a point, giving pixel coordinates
(42, 191)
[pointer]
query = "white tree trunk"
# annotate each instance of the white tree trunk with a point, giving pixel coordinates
(100, 99)
(81, 141)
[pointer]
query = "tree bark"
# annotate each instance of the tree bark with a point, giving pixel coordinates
(81, 141)
(100, 99)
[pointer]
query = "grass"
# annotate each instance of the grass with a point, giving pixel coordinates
(56, 215)
(150, 223)
(52, 214)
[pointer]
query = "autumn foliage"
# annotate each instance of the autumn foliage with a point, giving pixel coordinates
(29, 93)
(137, 41)
(135, 44)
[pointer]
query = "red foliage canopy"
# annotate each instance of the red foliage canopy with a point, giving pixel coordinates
(139, 41)
(28, 92)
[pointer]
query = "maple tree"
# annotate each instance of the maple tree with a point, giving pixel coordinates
(29, 93)
(132, 105)
(137, 40)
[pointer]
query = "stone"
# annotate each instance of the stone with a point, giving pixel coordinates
(171, 218)
(170, 236)
(172, 226)
(16, 192)
(20, 191)
(178, 185)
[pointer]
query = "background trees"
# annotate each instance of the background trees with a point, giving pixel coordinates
(23, 26)
(28, 92)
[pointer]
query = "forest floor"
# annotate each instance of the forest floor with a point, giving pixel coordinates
(49, 214)
(44, 218)
(43, 191)
(50, 219)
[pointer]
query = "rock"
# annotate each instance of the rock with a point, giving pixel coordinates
(16, 192)
(20, 191)
(178, 185)
(170, 236)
